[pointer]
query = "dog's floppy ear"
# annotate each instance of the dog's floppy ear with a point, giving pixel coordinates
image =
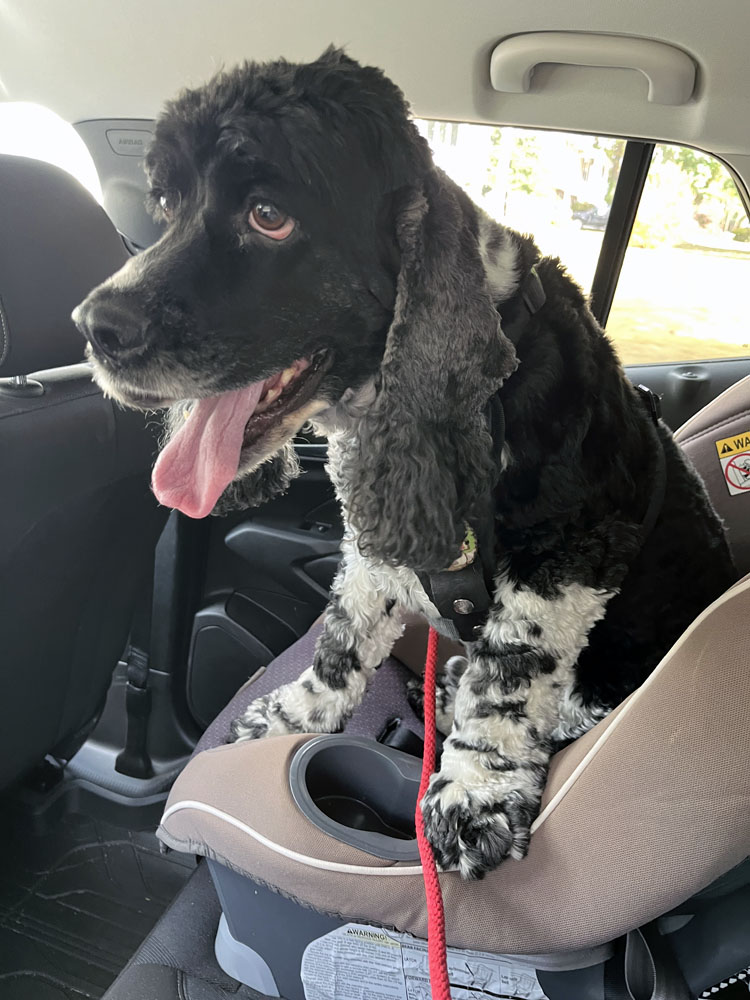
(424, 461)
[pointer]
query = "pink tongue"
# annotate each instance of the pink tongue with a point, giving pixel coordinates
(201, 459)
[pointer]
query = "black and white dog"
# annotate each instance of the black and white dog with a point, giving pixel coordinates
(316, 266)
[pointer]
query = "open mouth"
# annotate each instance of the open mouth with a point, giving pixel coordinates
(282, 394)
(206, 452)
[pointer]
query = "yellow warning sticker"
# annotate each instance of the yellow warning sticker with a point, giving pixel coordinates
(733, 445)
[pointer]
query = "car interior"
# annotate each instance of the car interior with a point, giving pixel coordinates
(130, 634)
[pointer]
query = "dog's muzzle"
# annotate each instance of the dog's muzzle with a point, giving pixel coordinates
(113, 325)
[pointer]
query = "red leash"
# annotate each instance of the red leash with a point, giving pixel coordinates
(436, 946)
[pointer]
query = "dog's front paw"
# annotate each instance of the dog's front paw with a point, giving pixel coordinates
(304, 706)
(474, 828)
(263, 717)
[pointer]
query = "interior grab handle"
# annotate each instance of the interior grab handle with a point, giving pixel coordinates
(670, 71)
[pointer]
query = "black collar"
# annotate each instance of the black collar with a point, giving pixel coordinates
(526, 301)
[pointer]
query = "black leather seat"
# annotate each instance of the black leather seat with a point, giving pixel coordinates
(78, 523)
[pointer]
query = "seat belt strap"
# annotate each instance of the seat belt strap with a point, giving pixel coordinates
(643, 967)
(658, 490)
(134, 759)
(395, 733)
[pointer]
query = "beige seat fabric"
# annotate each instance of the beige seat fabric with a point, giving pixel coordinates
(726, 416)
(641, 813)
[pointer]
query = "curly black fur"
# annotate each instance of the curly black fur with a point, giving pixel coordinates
(424, 457)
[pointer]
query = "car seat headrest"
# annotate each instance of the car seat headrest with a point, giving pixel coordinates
(56, 244)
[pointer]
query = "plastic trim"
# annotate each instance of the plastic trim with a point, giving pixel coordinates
(368, 759)
(243, 963)
(670, 72)
(634, 169)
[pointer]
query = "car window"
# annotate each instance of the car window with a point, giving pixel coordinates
(556, 185)
(681, 294)
(33, 131)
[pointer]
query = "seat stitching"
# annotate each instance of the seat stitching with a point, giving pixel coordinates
(271, 845)
(5, 332)
(713, 427)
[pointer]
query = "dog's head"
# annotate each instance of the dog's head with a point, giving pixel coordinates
(311, 248)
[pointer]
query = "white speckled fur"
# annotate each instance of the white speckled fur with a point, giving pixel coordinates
(491, 758)
(364, 589)
(500, 265)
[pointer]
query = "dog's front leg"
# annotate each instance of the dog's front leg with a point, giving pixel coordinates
(361, 624)
(515, 701)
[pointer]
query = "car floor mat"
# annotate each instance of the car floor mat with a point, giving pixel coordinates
(76, 900)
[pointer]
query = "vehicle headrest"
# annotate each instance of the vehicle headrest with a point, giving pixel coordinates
(56, 244)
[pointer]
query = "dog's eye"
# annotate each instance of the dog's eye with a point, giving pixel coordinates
(271, 221)
(169, 202)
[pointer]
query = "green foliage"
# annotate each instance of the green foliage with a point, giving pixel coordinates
(685, 188)
(581, 206)
(524, 165)
(614, 149)
(706, 174)
(713, 190)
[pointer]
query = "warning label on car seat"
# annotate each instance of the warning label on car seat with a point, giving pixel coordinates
(733, 445)
(734, 455)
(360, 962)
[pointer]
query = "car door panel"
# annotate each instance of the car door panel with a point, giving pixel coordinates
(686, 388)
(268, 575)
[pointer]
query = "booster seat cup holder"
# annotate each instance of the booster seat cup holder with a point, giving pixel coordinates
(360, 792)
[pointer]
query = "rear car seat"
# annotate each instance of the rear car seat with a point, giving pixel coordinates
(644, 825)
(78, 523)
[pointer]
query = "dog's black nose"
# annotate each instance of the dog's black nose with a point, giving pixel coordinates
(113, 326)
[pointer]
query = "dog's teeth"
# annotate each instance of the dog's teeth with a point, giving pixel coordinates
(272, 394)
(287, 375)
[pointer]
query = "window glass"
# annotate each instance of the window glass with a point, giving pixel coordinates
(681, 294)
(556, 185)
(33, 131)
